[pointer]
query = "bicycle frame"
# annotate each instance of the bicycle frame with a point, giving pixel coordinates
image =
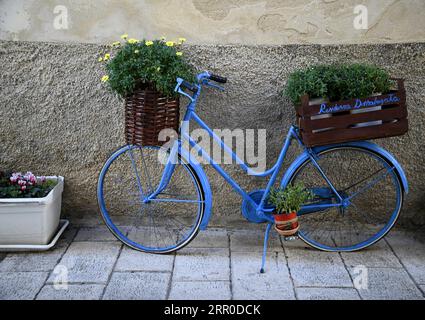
(272, 172)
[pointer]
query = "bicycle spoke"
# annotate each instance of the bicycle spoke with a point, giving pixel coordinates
(175, 200)
(146, 171)
(133, 163)
(370, 185)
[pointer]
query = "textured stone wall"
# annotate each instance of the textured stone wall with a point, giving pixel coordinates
(57, 118)
(215, 21)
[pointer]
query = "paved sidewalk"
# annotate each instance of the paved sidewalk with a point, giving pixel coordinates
(218, 264)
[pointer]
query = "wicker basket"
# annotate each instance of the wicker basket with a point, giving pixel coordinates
(147, 112)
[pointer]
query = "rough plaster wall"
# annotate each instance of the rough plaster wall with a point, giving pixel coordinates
(57, 118)
(216, 21)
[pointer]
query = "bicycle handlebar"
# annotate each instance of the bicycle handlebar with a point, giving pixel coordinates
(218, 78)
(188, 86)
(202, 80)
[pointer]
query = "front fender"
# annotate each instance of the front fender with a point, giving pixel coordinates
(364, 144)
(204, 183)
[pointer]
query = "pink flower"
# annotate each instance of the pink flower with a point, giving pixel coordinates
(23, 188)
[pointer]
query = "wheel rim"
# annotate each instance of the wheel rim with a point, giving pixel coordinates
(164, 224)
(360, 224)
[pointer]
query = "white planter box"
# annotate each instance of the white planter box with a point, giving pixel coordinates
(31, 220)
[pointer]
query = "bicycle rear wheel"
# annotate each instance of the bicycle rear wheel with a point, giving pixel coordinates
(371, 185)
(163, 224)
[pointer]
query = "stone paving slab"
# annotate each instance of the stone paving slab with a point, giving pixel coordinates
(327, 294)
(210, 238)
(249, 284)
(132, 260)
(137, 286)
(21, 285)
(379, 255)
(100, 233)
(90, 262)
(410, 248)
(200, 290)
(253, 240)
(72, 292)
(201, 264)
(312, 268)
(37, 261)
(388, 283)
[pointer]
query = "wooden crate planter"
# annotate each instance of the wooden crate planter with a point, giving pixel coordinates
(345, 124)
(147, 113)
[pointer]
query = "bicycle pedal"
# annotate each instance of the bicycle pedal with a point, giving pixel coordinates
(291, 238)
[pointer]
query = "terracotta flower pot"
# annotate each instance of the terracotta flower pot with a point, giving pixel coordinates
(286, 224)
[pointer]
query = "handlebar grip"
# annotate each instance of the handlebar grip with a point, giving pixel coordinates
(189, 86)
(218, 78)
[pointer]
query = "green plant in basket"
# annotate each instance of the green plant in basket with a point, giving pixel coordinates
(134, 62)
(337, 82)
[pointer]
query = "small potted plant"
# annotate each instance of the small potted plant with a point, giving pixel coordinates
(287, 203)
(144, 73)
(30, 208)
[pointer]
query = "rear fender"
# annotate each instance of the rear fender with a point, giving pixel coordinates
(364, 144)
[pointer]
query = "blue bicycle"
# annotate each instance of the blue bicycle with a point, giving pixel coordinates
(358, 189)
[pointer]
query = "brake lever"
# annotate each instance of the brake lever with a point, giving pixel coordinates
(180, 91)
(213, 85)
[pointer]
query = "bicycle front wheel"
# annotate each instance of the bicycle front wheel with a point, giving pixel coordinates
(373, 191)
(163, 224)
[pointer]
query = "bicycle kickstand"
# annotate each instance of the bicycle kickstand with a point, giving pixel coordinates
(266, 240)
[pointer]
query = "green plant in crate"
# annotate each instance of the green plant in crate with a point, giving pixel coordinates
(135, 62)
(337, 82)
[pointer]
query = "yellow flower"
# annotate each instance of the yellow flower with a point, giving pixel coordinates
(116, 44)
(169, 43)
(182, 40)
(179, 54)
(105, 78)
(124, 36)
(107, 56)
(162, 38)
(133, 41)
(149, 43)
(100, 59)
(136, 51)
